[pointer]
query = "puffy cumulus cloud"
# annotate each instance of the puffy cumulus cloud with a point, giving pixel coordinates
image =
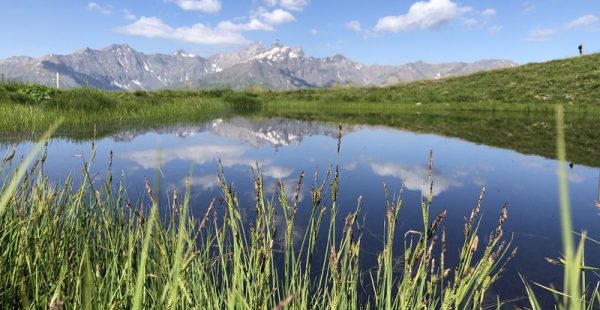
(153, 27)
(206, 6)
(277, 17)
(95, 7)
(426, 15)
(582, 21)
(540, 35)
(414, 177)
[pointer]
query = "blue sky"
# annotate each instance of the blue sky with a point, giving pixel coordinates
(372, 32)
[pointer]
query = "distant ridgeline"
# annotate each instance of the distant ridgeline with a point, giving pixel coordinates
(278, 67)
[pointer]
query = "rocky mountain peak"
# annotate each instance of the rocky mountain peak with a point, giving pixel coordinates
(84, 51)
(279, 52)
(119, 48)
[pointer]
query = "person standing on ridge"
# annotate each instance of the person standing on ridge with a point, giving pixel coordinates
(580, 49)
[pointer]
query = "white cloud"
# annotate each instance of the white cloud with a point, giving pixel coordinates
(488, 12)
(422, 15)
(95, 7)
(225, 33)
(294, 5)
(540, 35)
(494, 30)
(277, 172)
(414, 177)
(153, 27)
(252, 25)
(128, 15)
(582, 21)
(206, 182)
(199, 155)
(206, 6)
(313, 32)
(277, 17)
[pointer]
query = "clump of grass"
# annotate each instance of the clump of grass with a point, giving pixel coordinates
(243, 102)
(63, 246)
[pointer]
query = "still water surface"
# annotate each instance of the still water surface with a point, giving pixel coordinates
(370, 157)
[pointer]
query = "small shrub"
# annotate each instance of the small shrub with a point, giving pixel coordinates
(140, 93)
(36, 93)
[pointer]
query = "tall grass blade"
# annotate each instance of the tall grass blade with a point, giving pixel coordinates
(141, 272)
(572, 265)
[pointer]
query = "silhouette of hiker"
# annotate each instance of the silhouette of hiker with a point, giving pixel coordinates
(580, 49)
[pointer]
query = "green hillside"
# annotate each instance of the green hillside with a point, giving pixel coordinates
(573, 81)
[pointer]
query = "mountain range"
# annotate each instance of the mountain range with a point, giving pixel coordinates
(278, 67)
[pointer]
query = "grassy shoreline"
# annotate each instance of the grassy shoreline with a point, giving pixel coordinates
(523, 128)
